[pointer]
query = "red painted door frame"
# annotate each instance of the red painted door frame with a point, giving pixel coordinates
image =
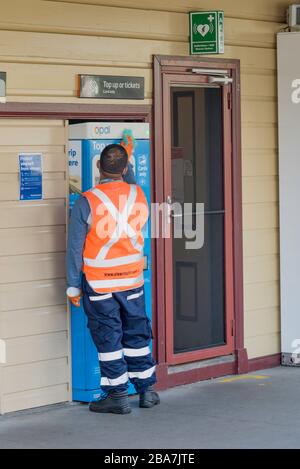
(164, 68)
(170, 79)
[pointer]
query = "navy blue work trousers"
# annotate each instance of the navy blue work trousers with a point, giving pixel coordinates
(122, 334)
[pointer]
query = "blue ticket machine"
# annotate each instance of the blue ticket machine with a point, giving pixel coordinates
(86, 141)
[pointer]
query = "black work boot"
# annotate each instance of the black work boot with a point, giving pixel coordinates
(149, 398)
(116, 402)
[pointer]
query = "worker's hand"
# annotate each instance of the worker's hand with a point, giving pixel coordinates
(74, 295)
(75, 300)
(128, 142)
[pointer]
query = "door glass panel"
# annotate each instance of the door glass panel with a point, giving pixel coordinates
(197, 176)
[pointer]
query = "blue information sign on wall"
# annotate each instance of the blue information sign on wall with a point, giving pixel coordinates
(31, 176)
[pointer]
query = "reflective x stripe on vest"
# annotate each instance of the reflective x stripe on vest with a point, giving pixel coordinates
(106, 267)
(121, 224)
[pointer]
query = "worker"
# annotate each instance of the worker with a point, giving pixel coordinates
(105, 267)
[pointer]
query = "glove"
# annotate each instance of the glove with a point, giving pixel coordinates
(128, 142)
(74, 294)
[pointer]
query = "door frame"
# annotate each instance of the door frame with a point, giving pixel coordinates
(164, 66)
(170, 79)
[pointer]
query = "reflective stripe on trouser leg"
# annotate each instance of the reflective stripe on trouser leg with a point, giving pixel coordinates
(136, 340)
(104, 322)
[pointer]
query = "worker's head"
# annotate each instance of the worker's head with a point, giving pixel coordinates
(113, 161)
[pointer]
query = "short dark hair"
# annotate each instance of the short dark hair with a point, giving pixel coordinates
(113, 159)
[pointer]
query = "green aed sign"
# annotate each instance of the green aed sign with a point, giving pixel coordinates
(207, 32)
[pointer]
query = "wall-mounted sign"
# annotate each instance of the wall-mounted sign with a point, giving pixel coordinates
(31, 176)
(2, 87)
(111, 87)
(207, 32)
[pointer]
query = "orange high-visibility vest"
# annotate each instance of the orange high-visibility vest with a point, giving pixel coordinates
(113, 251)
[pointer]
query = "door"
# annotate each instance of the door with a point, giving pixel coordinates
(197, 185)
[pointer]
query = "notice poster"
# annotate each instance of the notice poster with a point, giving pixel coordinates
(31, 176)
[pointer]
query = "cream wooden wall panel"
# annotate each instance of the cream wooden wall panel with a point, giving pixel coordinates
(260, 216)
(35, 375)
(54, 186)
(260, 163)
(32, 267)
(259, 137)
(26, 214)
(261, 112)
(49, 81)
(261, 296)
(93, 20)
(260, 189)
(28, 322)
(250, 33)
(262, 85)
(34, 398)
(262, 322)
(30, 122)
(32, 278)
(269, 10)
(263, 345)
(260, 242)
(32, 240)
(36, 348)
(97, 21)
(26, 295)
(263, 268)
(26, 136)
(253, 60)
(89, 50)
(52, 162)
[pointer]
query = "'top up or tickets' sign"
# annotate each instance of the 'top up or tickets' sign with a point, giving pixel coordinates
(111, 87)
(207, 32)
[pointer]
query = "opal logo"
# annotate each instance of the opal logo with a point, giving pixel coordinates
(103, 130)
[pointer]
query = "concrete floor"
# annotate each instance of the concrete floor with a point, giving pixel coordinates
(259, 410)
